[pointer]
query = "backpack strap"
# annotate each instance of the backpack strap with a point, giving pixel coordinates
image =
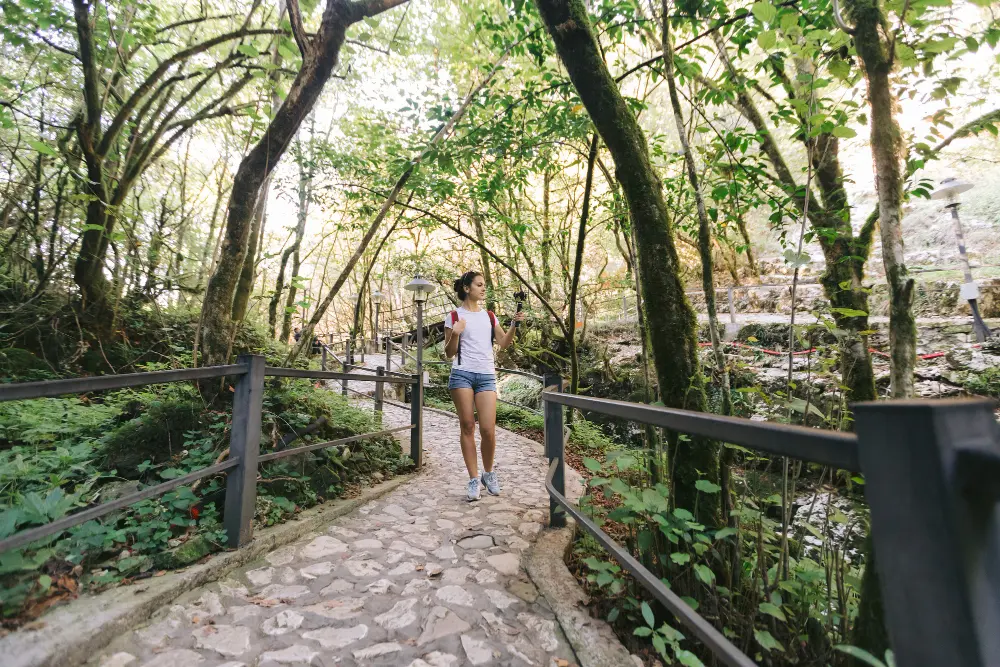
(454, 320)
(493, 326)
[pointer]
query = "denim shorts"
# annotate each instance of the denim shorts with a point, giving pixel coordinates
(477, 382)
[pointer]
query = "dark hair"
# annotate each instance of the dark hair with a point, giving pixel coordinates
(464, 282)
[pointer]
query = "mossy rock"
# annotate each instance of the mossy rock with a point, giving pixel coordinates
(189, 552)
(156, 435)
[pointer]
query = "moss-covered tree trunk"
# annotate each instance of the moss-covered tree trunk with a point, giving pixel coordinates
(574, 286)
(320, 54)
(671, 323)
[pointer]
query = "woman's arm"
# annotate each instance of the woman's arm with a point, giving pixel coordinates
(451, 338)
(505, 338)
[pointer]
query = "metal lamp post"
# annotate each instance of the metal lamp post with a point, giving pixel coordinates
(950, 189)
(421, 289)
(377, 300)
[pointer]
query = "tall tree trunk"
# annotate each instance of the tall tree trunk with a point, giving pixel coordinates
(319, 56)
(484, 258)
(244, 286)
(670, 319)
(872, 39)
(574, 286)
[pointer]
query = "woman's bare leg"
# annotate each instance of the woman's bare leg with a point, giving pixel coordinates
(486, 406)
(464, 402)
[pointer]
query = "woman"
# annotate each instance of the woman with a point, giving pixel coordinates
(470, 333)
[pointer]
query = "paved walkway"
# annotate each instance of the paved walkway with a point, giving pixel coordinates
(419, 577)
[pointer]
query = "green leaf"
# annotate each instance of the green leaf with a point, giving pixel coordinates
(772, 609)
(248, 50)
(724, 533)
(683, 514)
(42, 147)
(860, 654)
(286, 52)
(764, 12)
(704, 574)
(767, 641)
(660, 645)
(844, 132)
(642, 631)
(688, 659)
(592, 464)
(767, 39)
(680, 558)
(849, 312)
(706, 486)
(647, 615)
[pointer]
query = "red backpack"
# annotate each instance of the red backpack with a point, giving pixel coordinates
(493, 331)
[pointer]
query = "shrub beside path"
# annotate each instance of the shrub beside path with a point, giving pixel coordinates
(419, 577)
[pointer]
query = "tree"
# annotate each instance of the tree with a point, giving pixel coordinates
(671, 325)
(319, 53)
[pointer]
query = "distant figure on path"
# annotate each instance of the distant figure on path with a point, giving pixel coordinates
(296, 334)
(470, 334)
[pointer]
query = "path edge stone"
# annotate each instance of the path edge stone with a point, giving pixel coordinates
(592, 639)
(74, 633)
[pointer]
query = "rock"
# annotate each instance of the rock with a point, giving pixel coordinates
(400, 616)
(445, 524)
(447, 552)
(336, 638)
(376, 650)
(529, 528)
(244, 612)
(176, 658)
(340, 609)
(477, 542)
(261, 576)
(363, 568)
(380, 587)
(293, 655)
(223, 639)
(456, 595)
(286, 575)
(500, 599)
(435, 659)
(343, 532)
(486, 577)
(208, 605)
(406, 548)
(456, 575)
(432, 570)
(317, 570)
(517, 544)
(426, 542)
(120, 659)
(282, 556)
(282, 592)
(496, 624)
(188, 552)
(441, 622)
(396, 511)
(368, 544)
(505, 563)
(542, 629)
(322, 547)
(416, 586)
(524, 590)
(282, 622)
(336, 587)
(233, 589)
(476, 650)
(409, 567)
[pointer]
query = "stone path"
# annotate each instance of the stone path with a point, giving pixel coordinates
(420, 577)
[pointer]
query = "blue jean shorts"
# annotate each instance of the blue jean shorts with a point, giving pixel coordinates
(477, 382)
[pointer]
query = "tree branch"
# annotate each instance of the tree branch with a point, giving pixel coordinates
(146, 86)
(298, 29)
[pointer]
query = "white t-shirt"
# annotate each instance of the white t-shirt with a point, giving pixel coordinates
(476, 341)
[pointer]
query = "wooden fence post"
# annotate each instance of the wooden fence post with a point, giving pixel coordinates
(244, 444)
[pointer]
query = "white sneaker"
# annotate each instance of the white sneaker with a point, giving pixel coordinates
(474, 489)
(491, 483)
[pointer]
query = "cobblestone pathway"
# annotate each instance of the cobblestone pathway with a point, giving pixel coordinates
(419, 577)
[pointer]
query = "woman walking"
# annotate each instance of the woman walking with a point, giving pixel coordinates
(470, 334)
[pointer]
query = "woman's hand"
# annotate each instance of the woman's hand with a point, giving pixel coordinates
(458, 327)
(520, 317)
